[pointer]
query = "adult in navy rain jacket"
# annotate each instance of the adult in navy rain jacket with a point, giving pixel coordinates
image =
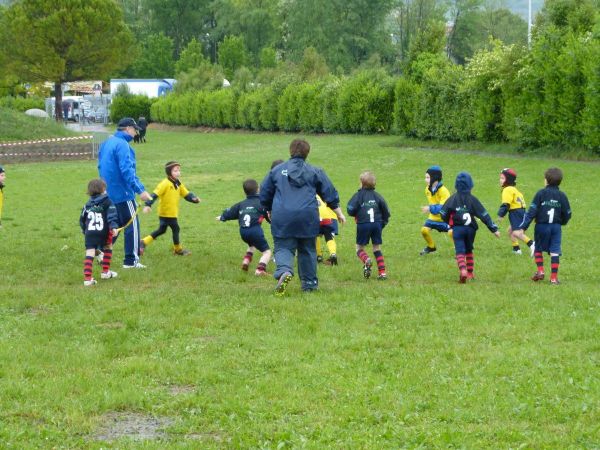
(117, 167)
(288, 192)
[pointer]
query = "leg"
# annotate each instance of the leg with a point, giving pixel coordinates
(262, 263)
(331, 247)
(126, 210)
(285, 249)
(177, 247)
(319, 249)
(87, 267)
(380, 262)
(247, 258)
(307, 264)
(426, 233)
(460, 236)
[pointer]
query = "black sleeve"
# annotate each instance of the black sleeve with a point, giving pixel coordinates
(503, 210)
(385, 211)
(232, 213)
(82, 220)
(152, 200)
(353, 206)
(565, 211)
(447, 209)
(190, 197)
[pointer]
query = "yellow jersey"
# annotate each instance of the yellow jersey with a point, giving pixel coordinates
(169, 196)
(436, 200)
(325, 212)
(513, 198)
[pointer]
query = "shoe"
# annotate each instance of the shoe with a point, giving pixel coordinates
(261, 273)
(245, 264)
(532, 249)
(100, 257)
(427, 250)
(182, 252)
(470, 276)
(382, 277)
(367, 268)
(463, 276)
(333, 259)
(282, 283)
(107, 275)
(89, 282)
(137, 265)
(538, 276)
(319, 259)
(517, 251)
(555, 282)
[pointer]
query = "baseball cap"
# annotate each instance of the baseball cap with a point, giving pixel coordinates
(127, 122)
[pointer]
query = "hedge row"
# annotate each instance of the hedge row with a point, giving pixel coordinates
(22, 104)
(130, 106)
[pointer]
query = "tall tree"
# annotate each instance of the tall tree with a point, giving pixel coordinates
(63, 40)
(232, 55)
(191, 57)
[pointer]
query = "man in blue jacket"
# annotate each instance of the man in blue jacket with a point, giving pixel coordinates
(289, 193)
(117, 167)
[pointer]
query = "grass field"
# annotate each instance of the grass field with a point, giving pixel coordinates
(193, 353)
(17, 126)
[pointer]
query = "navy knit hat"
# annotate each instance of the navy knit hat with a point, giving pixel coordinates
(510, 175)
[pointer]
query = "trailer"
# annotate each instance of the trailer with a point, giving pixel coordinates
(148, 87)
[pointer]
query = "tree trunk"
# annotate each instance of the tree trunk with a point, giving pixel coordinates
(58, 112)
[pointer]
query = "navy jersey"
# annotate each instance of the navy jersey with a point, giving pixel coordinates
(98, 216)
(549, 205)
(367, 206)
(248, 212)
(462, 208)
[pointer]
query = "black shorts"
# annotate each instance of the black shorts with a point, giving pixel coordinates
(369, 231)
(97, 240)
(255, 237)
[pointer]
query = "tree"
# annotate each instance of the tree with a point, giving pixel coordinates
(63, 40)
(156, 59)
(191, 57)
(232, 55)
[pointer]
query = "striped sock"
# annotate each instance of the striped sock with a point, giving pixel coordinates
(362, 255)
(554, 263)
(462, 265)
(470, 264)
(380, 261)
(261, 267)
(249, 256)
(87, 267)
(539, 261)
(106, 260)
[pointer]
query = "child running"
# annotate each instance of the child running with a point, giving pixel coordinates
(2, 178)
(436, 194)
(513, 204)
(371, 213)
(327, 229)
(460, 211)
(551, 210)
(169, 191)
(249, 213)
(99, 223)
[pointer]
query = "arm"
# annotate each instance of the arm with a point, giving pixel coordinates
(353, 206)
(126, 167)
(385, 211)
(82, 220)
(232, 213)
(502, 211)
(328, 192)
(191, 197)
(446, 210)
(112, 216)
(530, 214)
(565, 211)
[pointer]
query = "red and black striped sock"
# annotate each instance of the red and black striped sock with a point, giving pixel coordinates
(261, 267)
(249, 256)
(380, 261)
(470, 262)
(554, 263)
(460, 261)
(539, 261)
(362, 255)
(106, 260)
(87, 267)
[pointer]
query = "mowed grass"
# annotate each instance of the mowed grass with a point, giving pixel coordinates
(206, 350)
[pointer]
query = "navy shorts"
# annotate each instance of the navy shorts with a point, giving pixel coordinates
(515, 217)
(464, 238)
(254, 237)
(442, 227)
(548, 237)
(97, 240)
(369, 231)
(329, 231)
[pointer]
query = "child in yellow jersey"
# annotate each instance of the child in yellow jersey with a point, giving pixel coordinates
(513, 203)
(169, 191)
(327, 229)
(2, 178)
(436, 194)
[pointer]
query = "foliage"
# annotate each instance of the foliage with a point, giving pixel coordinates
(22, 104)
(232, 55)
(310, 113)
(267, 58)
(204, 77)
(406, 95)
(312, 66)
(130, 106)
(191, 58)
(156, 58)
(289, 109)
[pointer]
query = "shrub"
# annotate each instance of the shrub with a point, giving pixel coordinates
(288, 112)
(310, 113)
(130, 106)
(22, 104)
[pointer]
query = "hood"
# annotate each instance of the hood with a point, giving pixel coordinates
(97, 199)
(297, 173)
(464, 183)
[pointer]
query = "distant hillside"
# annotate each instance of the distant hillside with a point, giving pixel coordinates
(16, 126)
(521, 7)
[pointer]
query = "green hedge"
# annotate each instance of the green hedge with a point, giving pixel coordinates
(131, 106)
(22, 104)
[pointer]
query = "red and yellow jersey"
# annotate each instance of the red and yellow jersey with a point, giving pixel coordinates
(326, 214)
(513, 198)
(169, 196)
(436, 200)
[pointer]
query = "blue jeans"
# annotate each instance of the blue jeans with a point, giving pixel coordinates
(285, 250)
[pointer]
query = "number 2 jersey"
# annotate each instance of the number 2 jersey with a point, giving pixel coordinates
(248, 212)
(367, 206)
(549, 205)
(98, 216)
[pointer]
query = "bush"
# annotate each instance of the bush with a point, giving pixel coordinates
(406, 94)
(220, 108)
(288, 113)
(22, 104)
(130, 106)
(329, 102)
(310, 113)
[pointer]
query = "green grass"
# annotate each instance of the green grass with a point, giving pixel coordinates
(418, 361)
(17, 126)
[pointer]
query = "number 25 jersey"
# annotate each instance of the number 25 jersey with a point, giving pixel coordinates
(98, 216)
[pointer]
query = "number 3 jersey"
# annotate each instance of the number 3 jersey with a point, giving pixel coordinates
(549, 205)
(248, 212)
(98, 216)
(367, 206)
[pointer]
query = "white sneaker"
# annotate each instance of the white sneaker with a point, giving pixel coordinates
(107, 275)
(89, 282)
(532, 249)
(137, 265)
(100, 257)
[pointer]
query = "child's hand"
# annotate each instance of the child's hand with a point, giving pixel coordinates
(114, 232)
(218, 218)
(497, 234)
(425, 209)
(146, 209)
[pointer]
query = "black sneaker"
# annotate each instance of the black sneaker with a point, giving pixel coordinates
(427, 250)
(333, 259)
(319, 259)
(282, 283)
(367, 268)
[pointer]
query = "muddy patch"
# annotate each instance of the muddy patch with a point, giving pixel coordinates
(135, 426)
(181, 389)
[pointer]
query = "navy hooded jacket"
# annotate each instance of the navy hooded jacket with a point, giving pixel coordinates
(289, 192)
